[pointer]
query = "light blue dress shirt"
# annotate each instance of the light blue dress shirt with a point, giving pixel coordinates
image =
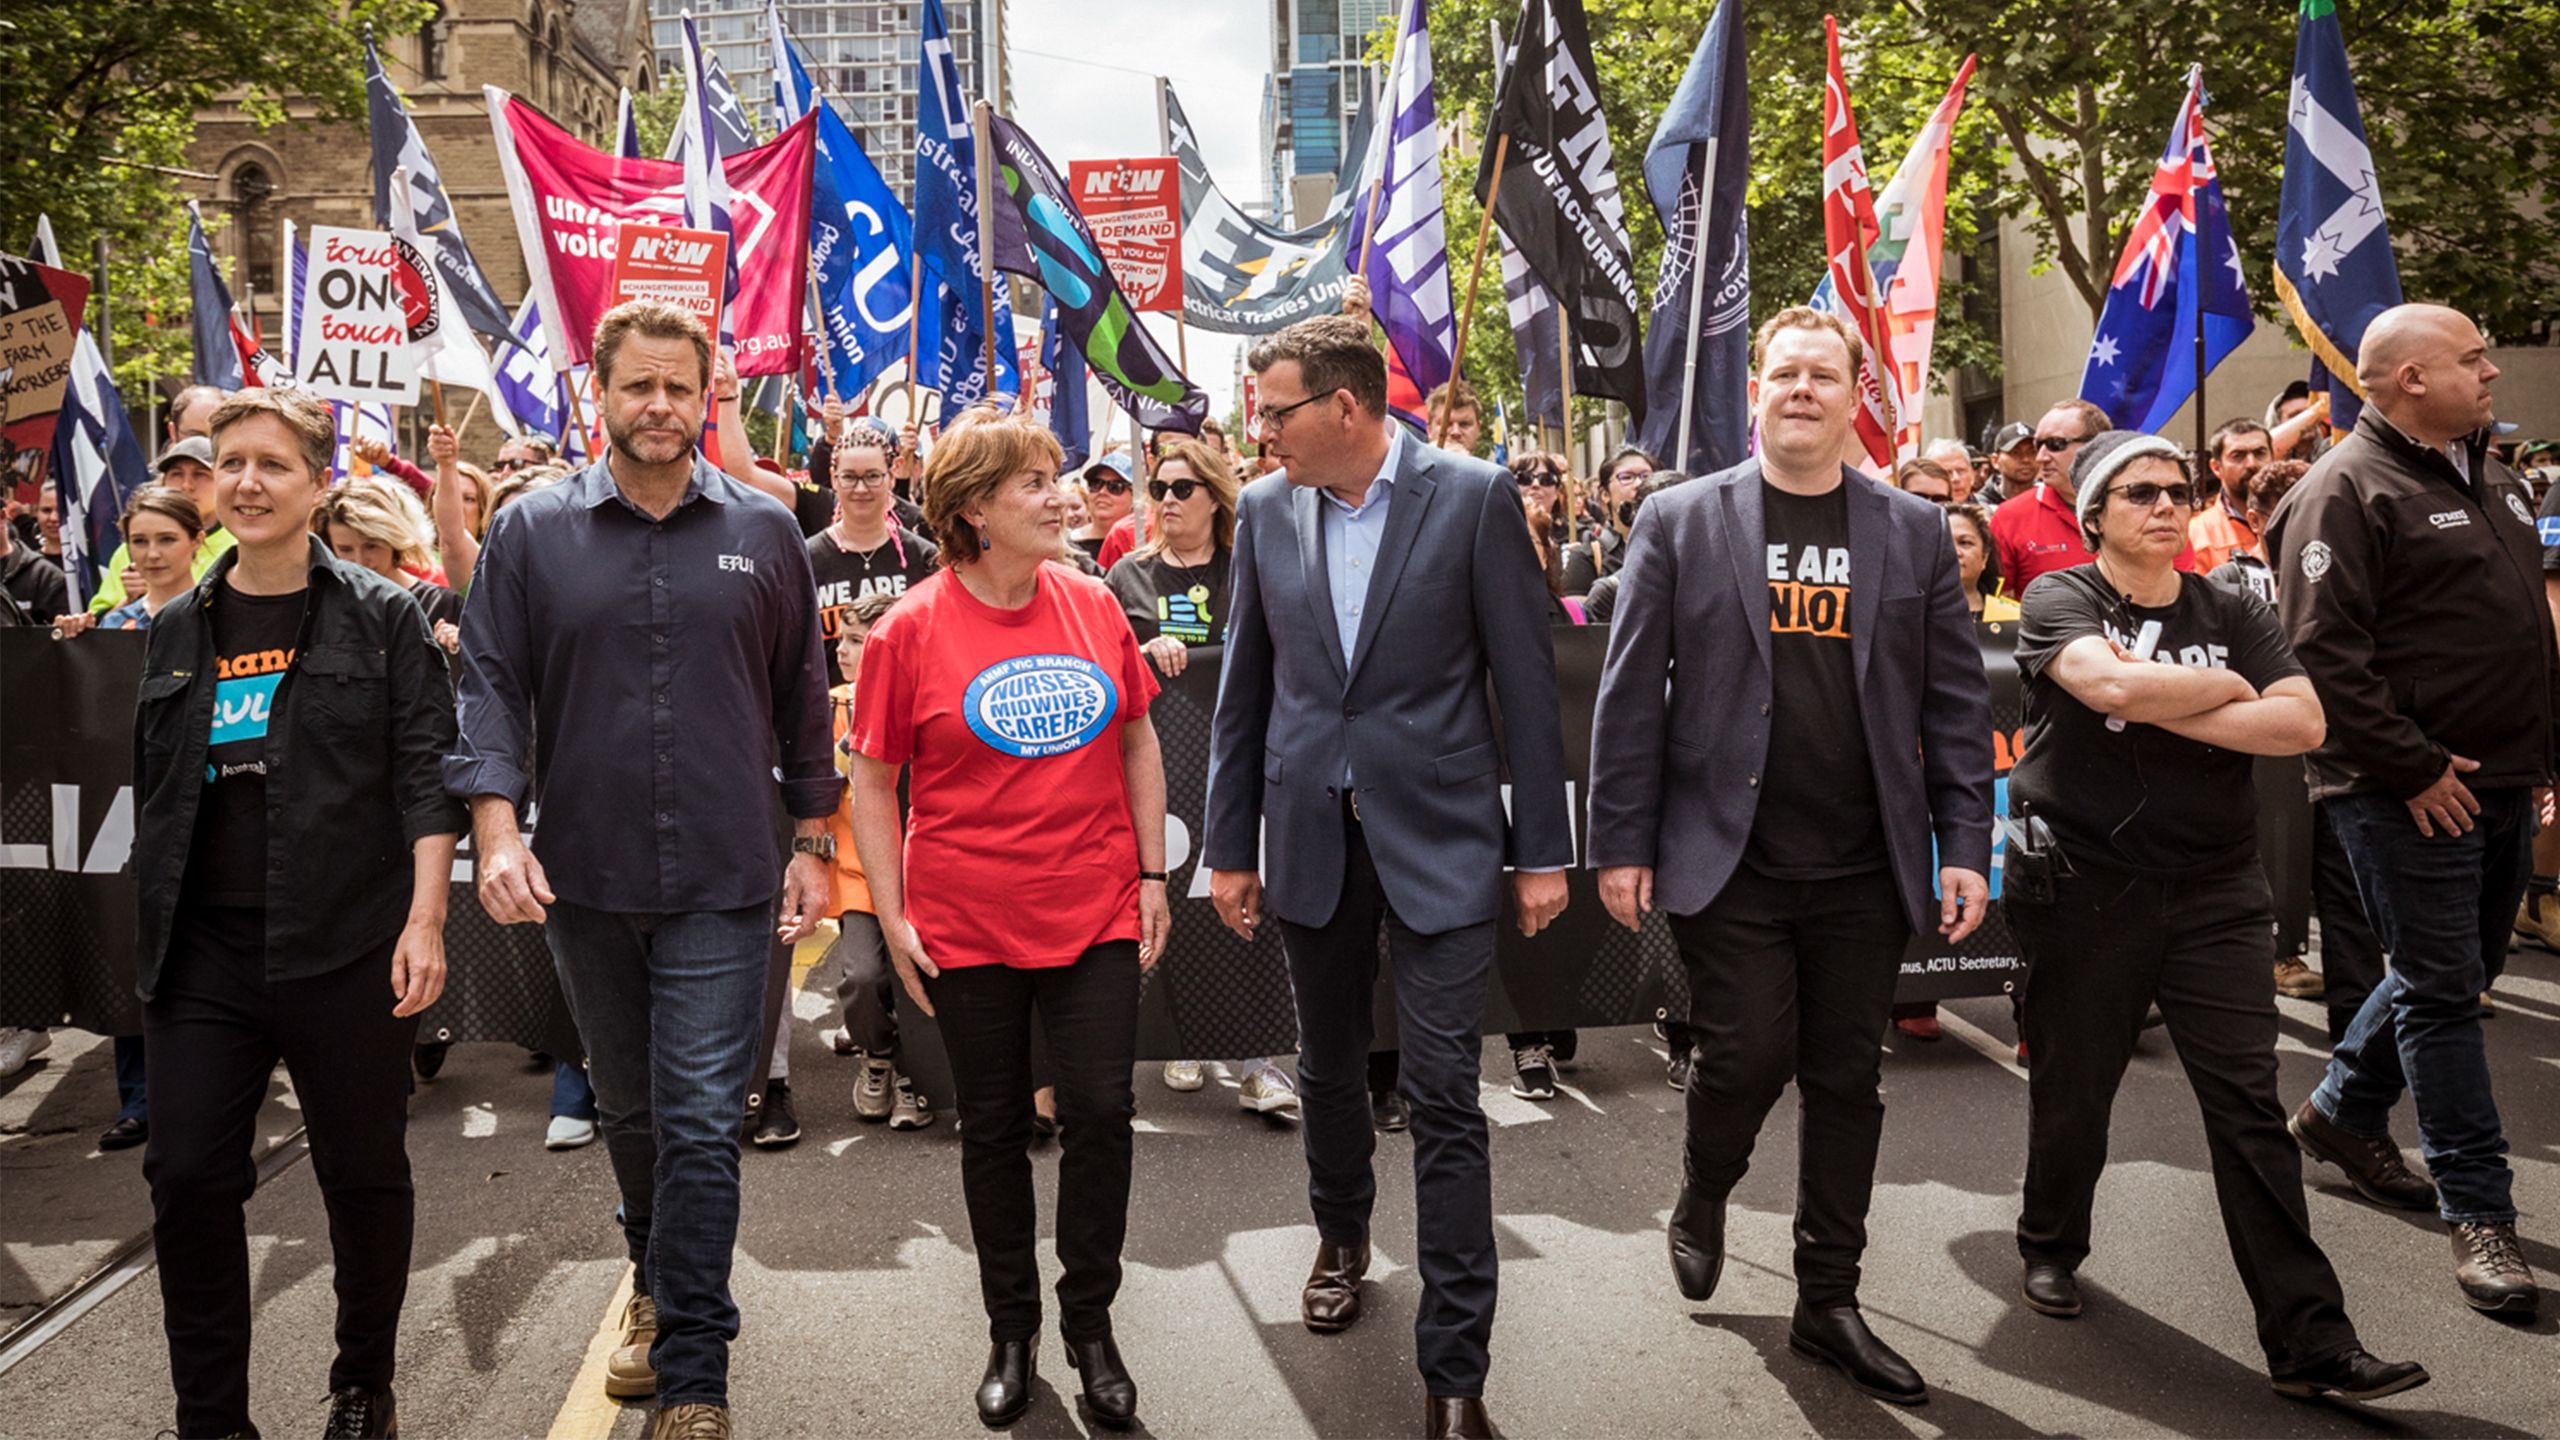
(1351, 536)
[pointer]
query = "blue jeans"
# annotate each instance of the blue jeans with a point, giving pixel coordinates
(671, 1008)
(2443, 907)
(571, 1095)
(133, 1096)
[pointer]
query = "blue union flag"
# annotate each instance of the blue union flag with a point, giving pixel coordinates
(2334, 267)
(2179, 270)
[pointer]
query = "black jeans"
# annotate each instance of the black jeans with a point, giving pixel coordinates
(2109, 947)
(1090, 1012)
(1440, 985)
(1793, 980)
(2350, 953)
(216, 1031)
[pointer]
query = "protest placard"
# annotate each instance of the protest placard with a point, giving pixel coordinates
(1134, 208)
(40, 310)
(356, 333)
(684, 268)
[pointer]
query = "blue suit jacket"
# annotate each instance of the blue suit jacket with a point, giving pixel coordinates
(1457, 596)
(1681, 734)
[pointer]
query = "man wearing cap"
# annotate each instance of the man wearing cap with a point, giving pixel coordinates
(2037, 529)
(2411, 588)
(2013, 461)
(186, 467)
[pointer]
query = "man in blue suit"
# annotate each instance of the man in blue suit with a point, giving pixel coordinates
(1379, 583)
(1793, 734)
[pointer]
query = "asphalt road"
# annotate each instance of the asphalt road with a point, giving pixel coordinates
(858, 1286)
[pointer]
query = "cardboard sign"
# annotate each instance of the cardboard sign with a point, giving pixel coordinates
(685, 268)
(40, 309)
(1134, 208)
(357, 319)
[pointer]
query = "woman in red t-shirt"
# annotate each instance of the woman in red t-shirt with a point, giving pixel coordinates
(1013, 691)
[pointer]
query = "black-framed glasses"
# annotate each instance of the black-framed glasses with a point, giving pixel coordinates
(1108, 484)
(880, 481)
(1268, 420)
(2143, 494)
(2056, 444)
(1182, 489)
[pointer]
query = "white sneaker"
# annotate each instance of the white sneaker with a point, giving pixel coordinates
(17, 1047)
(568, 1132)
(1184, 1075)
(1266, 1089)
(913, 1111)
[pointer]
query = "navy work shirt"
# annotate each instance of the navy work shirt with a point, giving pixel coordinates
(665, 665)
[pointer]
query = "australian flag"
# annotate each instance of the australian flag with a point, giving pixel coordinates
(2179, 270)
(2334, 267)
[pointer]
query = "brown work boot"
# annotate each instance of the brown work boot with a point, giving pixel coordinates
(1331, 1300)
(2374, 1166)
(2538, 920)
(2296, 980)
(2490, 1268)
(691, 1422)
(627, 1373)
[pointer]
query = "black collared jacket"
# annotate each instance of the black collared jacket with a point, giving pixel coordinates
(355, 740)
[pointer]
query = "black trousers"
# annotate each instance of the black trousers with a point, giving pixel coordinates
(1793, 980)
(1440, 985)
(216, 1030)
(2109, 947)
(2350, 953)
(1089, 1011)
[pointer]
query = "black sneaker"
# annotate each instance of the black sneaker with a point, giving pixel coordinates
(1534, 1072)
(777, 1127)
(356, 1413)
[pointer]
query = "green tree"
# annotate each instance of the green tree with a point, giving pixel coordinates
(102, 97)
(655, 115)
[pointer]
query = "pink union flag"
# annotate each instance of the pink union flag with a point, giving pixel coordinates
(571, 201)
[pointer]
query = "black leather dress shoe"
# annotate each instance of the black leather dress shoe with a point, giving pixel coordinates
(125, 1134)
(1005, 1392)
(1838, 1335)
(1331, 1301)
(1110, 1396)
(356, 1413)
(2354, 1375)
(1455, 1418)
(1697, 1243)
(2050, 1290)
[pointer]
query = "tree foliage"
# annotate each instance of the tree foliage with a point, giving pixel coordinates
(99, 92)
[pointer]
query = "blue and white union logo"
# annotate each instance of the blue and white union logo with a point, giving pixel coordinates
(1034, 706)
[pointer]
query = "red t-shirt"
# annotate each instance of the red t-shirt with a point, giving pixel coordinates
(1020, 849)
(2036, 534)
(1117, 541)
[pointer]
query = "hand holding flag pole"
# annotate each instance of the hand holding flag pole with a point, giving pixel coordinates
(1475, 274)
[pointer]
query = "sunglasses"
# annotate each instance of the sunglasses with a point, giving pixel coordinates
(1538, 481)
(1109, 485)
(1178, 489)
(2143, 494)
(2056, 444)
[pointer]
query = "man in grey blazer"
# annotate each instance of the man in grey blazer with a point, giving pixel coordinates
(1793, 736)
(1379, 583)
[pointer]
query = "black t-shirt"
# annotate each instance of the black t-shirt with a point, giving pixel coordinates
(253, 648)
(2140, 798)
(1818, 817)
(2247, 573)
(440, 603)
(845, 576)
(1187, 602)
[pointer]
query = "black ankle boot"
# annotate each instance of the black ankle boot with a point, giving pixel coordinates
(1005, 1392)
(1110, 1396)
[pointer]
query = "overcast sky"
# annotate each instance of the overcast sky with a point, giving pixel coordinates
(1214, 52)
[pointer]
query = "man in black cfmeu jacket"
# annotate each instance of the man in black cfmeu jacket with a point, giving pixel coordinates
(2412, 592)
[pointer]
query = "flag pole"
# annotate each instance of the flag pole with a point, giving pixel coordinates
(1564, 380)
(981, 115)
(915, 325)
(476, 397)
(818, 312)
(1699, 245)
(1475, 277)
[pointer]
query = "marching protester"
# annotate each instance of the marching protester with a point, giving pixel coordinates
(861, 552)
(1604, 548)
(1925, 478)
(462, 503)
(1175, 591)
(1108, 498)
(163, 531)
(1454, 412)
(2221, 527)
(2408, 581)
(1371, 583)
(1951, 456)
(1977, 558)
(1012, 692)
(2132, 880)
(186, 467)
(293, 853)
(638, 607)
(30, 584)
(1794, 874)
(380, 526)
(2036, 529)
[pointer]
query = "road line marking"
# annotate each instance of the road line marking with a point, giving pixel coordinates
(588, 1413)
(1996, 1051)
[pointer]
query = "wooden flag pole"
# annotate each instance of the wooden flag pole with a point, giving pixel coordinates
(818, 312)
(435, 391)
(1564, 381)
(476, 397)
(1475, 276)
(595, 422)
(915, 325)
(983, 115)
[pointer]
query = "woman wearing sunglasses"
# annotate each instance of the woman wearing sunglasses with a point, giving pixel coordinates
(2147, 693)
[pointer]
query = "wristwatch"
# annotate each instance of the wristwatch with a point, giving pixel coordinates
(1156, 875)
(822, 846)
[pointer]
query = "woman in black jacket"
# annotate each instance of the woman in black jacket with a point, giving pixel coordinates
(293, 855)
